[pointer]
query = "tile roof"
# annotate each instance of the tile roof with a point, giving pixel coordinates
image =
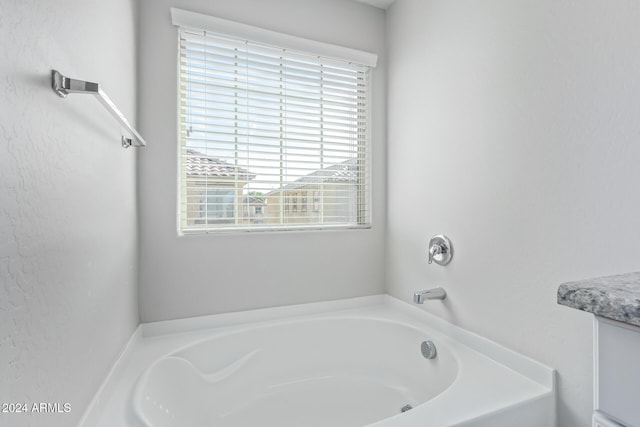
(343, 173)
(252, 200)
(202, 166)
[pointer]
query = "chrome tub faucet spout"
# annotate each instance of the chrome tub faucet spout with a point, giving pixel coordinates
(435, 293)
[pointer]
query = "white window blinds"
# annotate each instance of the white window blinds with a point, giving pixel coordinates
(270, 138)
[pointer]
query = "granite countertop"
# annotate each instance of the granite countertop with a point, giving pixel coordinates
(613, 297)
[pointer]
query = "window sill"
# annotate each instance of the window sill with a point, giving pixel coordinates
(271, 230)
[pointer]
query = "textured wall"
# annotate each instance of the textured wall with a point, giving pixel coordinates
(68, 236)
(195, 275)
(514, 127)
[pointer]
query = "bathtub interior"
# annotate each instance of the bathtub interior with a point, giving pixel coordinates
(338, 372)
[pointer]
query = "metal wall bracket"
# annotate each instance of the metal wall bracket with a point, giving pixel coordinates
(63, 86)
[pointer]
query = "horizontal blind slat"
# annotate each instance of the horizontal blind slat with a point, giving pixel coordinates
(258, 121)
(309, 116)
(244, 88)
(209, 43)
(195, 55)
(229, 109)
(275, 74)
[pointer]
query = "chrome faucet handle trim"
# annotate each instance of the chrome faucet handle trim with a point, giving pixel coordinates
(435, 249)
(440, 250)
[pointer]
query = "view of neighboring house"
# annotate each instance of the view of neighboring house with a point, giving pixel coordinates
(325, 196)
(253, 209)
(215, 192)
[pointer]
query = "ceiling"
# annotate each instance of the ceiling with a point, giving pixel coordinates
(382, 4)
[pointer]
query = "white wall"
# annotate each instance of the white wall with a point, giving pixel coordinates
(68, 236)
(514, 129)
(196, 275)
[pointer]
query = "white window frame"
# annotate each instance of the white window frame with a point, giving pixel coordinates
(191, 20)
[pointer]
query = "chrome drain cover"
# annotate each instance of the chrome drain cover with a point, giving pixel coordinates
(428, 349)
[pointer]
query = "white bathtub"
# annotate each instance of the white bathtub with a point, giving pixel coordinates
(349, 363)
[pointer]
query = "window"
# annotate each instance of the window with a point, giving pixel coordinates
(316, 201)
(259, 124)
(218, 206)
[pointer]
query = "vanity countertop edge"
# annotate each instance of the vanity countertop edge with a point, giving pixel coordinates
(613, 297)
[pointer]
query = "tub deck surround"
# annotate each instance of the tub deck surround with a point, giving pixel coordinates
(614, 297)
(348, 363)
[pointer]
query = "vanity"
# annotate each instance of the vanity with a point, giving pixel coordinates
(615, 303)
